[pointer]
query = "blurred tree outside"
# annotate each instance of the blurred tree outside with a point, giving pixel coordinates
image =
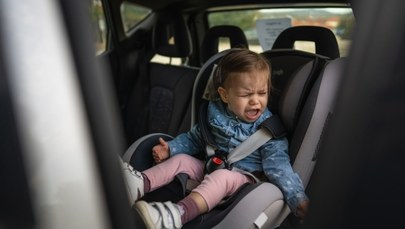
(132, 14)
(244, 19)
(99, 25)
(345, 27)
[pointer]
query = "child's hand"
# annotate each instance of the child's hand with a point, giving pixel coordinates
(160, 152)
(302, 210)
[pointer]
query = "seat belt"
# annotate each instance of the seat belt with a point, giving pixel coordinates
(248, 146)
(269, 128)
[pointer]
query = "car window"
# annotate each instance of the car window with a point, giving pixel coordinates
(132, 14)
(261, 26)
(99, 26)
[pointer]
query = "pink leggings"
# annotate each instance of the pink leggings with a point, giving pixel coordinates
(213, 188)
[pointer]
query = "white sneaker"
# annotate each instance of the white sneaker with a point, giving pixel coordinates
(159, 215)
(134, 183)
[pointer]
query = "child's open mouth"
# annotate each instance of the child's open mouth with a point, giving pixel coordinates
(252, 114)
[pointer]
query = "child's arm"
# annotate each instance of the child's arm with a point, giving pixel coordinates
(277, 167)
(190, 143)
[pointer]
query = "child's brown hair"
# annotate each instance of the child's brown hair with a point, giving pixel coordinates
(237, 61)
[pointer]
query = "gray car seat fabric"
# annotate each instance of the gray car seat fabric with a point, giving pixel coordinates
(286, 60)
(210, 43)
(200, 84)
(285, 63)
(318, 110)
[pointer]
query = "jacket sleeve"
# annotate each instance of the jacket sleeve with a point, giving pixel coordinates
(190, 143)
(278, 169)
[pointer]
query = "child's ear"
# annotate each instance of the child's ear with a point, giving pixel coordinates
(222, 93)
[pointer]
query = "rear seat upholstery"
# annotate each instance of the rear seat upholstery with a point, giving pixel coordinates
(210, 43)
(170, 86)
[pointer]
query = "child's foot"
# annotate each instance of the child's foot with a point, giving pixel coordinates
(134, 182)
(159, 215)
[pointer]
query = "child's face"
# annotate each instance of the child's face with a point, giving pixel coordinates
(246, 94)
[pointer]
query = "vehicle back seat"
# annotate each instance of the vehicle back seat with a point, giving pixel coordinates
(169, 86)
(210, 43)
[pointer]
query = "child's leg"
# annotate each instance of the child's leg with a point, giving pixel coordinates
(220, 184)
(213, 189)
(215, 186)
(163, 173)
(167, 214)
(138, 183)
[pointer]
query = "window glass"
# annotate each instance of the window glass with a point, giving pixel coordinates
(132, 14)
(99, 26)
(166, 60)
(255, 24)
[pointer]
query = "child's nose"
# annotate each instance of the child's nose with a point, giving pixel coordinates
(254, 99)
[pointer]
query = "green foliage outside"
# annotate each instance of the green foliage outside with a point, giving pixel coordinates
(132, 14)
(346, 27)
(244, 19)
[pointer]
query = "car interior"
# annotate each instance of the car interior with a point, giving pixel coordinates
(296, 75)
(141, 71)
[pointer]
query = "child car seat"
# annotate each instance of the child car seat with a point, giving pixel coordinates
(300, 105)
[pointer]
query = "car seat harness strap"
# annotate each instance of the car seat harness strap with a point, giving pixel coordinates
(270, 128)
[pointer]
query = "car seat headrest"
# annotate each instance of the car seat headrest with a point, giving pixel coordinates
(209, 45)
(201, 83)
(210, 94)
(291, 98)
(324, 39)
(171, 36)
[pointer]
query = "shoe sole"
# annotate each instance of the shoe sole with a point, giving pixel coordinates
(142, 208)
